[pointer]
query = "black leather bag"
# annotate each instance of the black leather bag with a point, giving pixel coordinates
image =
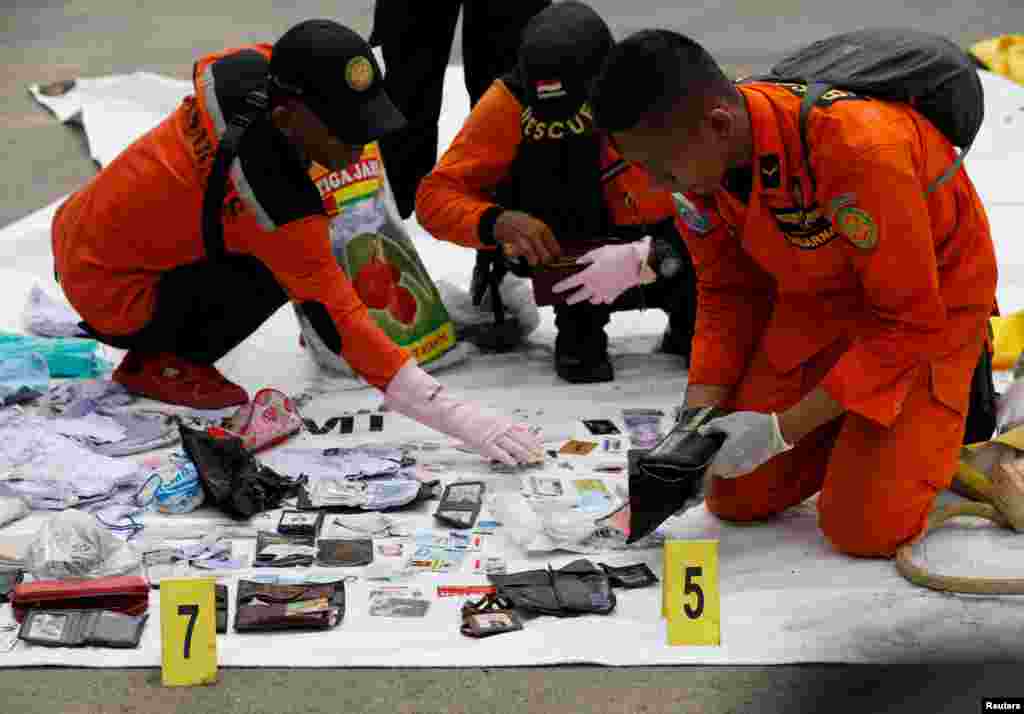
(663, 479)
(579, 588)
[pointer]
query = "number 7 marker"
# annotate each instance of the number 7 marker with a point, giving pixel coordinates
(188, 631)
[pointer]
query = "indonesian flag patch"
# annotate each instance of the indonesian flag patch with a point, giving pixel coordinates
(549, 89)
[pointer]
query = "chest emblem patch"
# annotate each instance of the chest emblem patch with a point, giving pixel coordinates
(804, 228)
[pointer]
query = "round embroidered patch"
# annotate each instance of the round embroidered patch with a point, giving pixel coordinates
(691, 217)
(857, 226)
(359, 73)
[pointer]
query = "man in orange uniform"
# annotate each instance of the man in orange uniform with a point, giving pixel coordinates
(130, 255)
(842, 326)
(528, 173)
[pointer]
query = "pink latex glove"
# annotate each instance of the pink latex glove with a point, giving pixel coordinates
(419, 396)
(613, 270)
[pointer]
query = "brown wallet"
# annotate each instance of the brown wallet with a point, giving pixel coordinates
(262, 607)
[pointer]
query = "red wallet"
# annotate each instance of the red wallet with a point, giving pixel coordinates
(128, 594)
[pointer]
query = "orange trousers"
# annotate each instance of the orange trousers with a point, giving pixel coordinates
(877, 484)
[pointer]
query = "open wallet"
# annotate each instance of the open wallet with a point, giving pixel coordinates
(262, 607)
(460, 504)
(663, 479)
(126, 594)
(77, 628)
(579, 588)
(490, 615)
(274, 550)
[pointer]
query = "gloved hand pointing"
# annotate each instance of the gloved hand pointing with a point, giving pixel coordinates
(613, 270)
(419, 396)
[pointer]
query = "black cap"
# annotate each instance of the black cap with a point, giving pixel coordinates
(561, 52)
(639, 76)
(334, 72)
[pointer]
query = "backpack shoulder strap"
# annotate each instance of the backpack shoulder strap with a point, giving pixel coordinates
(212, 225)
(815, 91)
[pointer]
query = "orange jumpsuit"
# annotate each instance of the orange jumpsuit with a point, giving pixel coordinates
(140, 217)
(456, 201)
(876, 292)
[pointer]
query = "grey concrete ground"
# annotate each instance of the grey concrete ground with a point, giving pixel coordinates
(49, 40)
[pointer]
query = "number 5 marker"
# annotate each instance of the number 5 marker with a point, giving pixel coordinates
(690, 600)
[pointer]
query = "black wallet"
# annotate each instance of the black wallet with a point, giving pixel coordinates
(460, 504)
(76, 628)
(629, 576)
(282, 551)
(8, 580)
(220, 594)
(664, 478)
(577, 589)
(261, 607)
(344, 553)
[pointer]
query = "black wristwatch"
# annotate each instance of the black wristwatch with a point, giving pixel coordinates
(665, 259)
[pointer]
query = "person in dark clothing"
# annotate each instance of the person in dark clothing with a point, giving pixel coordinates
(415, 39)
(529, 179)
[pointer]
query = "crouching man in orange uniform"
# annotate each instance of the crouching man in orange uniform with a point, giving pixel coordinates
(840, 326)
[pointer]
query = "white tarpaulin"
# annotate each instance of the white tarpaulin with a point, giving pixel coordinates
(787, 597)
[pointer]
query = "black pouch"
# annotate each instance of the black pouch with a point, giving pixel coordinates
(282, 551)
(344, 553)
(76, 628)
(264, 607)
(663, 479)
(8, 580)
(629, 576)
(577, 589)
(301, 523)
(460, 504)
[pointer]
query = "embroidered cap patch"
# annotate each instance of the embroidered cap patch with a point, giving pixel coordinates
(359, 73)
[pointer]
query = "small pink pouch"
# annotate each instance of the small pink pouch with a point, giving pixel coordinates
(269, 419)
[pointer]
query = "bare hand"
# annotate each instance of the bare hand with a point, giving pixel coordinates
(520, 234)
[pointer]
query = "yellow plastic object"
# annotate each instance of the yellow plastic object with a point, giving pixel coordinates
(188, 631)
(1008, 331)
(690, 595)
(1003, 55)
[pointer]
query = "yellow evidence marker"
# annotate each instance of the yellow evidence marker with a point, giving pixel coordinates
(690, 597)
(188, 631)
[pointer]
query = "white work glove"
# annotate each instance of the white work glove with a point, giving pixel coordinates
(419, 396)
(752, 439)
(613, 270)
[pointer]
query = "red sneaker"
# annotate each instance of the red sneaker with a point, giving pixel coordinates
(171, 379)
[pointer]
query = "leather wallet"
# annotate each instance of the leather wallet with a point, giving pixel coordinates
(126, 594)
(334, 553)
(76, 628)
(460, 504)
(261, 607)
(664, 478)
(545, 277)
(282, 551)
(220, 597)
(9, 578)
(578, 588)
(630, 576)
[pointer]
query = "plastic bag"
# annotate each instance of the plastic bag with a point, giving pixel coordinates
(73, 544)
(65, 356)
(23, 378)
(176, 486)
(516, 294)
(12, 506)
(371, 245)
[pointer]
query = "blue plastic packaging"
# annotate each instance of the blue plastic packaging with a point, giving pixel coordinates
(65, 356)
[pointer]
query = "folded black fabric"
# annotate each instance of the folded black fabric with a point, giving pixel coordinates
(664, 478)
(579, 588)
(233, 479)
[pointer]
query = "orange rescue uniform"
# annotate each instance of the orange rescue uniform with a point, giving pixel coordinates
(140, 217)
(874, 291)
(454, 201)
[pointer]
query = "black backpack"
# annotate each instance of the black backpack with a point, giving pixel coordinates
(929, 71)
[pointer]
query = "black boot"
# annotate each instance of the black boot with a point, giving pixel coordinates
(581, 346)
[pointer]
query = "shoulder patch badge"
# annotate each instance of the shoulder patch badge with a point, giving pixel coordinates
(827, 99)
(857, 226)
(691, 216)
(804, 228)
